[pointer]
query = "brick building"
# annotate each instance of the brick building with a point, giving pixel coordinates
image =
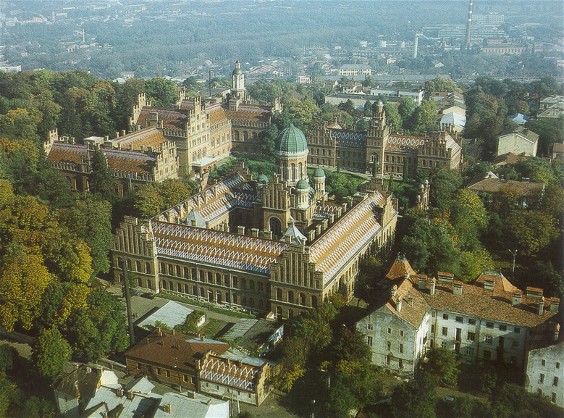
(380, 151)
(270, 246)
(200, 364)
(134, 159)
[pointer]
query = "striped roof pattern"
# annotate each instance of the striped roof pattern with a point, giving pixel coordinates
(68, 153)
(344, 239)
(226, 195)
(349, 138)
(249, 112)
(404, 142)
(232, 373)
(149, 137)
(228, 250)
(129, 161)
(118, 160)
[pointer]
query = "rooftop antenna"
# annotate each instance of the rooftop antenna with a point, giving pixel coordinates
(469, 24)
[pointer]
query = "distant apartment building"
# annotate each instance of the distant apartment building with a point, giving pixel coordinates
(355, 70)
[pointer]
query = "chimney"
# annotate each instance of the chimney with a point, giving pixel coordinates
(123, 132)
(433, 284)
(457, 287)
(534, 292)
(516, 299)
(489, 285)
(422, 283)
(119, 392)
(541, 306)
(254, 232)
(556, 332)
(167, 408)
(130, 395)
(393, 291)
(267, 234)
(241, 230)
(554, 305)
(398, 305)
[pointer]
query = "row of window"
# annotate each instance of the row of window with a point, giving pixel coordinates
(554, 380)
(489, 324)
(557, 364)
(301, 298)
(219, 279)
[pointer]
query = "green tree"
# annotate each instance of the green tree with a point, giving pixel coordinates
(8, 355)
(100, 179)
(162, 92)
(98, 329)
(415, 399)
(443, 364)
(425, 117)
(530, 231)
(393, 117)
(406, 109)
(444, 185)
(50, 353)
(90, 220)
(439, 84)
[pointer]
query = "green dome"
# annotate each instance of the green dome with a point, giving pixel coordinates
(319, 172)
(291, 141)
(262, 179)
(302, 185)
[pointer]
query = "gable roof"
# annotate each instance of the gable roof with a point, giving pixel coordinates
(225, 249)
(174, 350)
(496, 185)
(400, 267)
(351, 232)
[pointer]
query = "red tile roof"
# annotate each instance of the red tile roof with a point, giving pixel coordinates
(171, 118)
(352, 231)
(174, 350)
(149, 137)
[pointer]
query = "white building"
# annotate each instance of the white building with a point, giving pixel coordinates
(416, 95)
(489, 319)
(354, 70)
(545, 371)
(521, 141)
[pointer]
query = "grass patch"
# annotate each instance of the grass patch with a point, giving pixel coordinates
(210, 307)
(212, 327)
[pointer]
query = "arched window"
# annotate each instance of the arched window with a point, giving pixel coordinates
(275, 226)
(302, 299)
(278, 294)
(290, 296)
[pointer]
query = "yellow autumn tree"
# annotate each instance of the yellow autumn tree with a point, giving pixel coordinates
(23, 280)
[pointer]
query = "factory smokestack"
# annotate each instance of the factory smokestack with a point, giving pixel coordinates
(416, 44)
(469, 24)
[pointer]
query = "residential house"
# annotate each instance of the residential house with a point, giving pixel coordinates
(488, 319)
(200, 364)
(523, 192)
(521, 140)
(545, 370)
(92, 392)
